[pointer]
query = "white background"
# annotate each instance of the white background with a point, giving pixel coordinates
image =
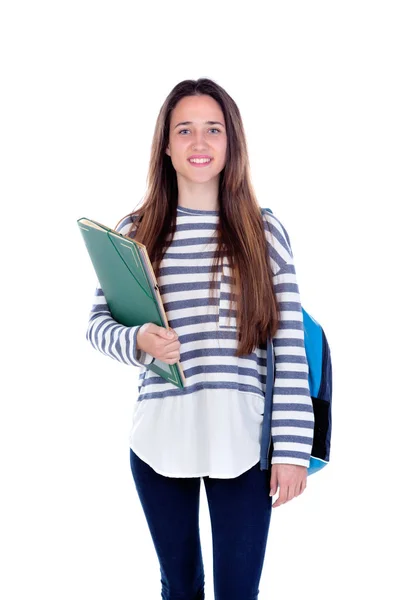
(82, 83)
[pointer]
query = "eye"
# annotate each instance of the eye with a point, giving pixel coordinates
(211, 129)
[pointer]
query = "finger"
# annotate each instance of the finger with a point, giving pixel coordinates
(290, 493)
(282, 497)
(279, 502)
(273, 484)
(297, 489)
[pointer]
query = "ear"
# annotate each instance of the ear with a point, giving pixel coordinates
(168, 149)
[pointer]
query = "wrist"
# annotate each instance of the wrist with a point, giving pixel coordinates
(138, 339)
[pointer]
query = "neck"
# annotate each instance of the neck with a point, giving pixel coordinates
(198, 196)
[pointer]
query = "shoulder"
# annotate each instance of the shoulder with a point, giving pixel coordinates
(125, 224)
(277, 238)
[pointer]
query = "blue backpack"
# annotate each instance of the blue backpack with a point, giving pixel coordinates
(320, 383)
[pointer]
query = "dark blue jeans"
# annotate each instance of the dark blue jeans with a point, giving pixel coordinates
(240, 512)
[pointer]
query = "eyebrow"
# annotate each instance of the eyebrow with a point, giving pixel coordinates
(206, 123)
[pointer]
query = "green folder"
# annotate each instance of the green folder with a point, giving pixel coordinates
(127, 279)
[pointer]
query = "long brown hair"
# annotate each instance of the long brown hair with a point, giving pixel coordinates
(240, 228)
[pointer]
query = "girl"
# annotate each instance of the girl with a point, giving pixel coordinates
(226, 274)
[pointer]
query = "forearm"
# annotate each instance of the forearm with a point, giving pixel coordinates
(292, 422)
(112, 338)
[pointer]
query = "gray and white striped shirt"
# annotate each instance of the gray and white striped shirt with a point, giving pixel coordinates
(219, 386)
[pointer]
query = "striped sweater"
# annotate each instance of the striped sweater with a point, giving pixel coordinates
(208, 337)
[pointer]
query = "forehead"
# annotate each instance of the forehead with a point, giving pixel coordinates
(197, 108)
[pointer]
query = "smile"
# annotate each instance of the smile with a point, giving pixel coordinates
(199, 162)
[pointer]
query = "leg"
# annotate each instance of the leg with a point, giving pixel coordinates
(240, 512)
(171, 507)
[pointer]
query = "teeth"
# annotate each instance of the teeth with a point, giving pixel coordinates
(199, 160)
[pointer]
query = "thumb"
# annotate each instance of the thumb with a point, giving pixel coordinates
(167, 333)
(273, 483)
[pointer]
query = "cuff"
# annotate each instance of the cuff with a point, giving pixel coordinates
(291, 460)
(144, 357)
(139, 357)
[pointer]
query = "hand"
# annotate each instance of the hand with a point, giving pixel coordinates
(156, 341)
(291, 479)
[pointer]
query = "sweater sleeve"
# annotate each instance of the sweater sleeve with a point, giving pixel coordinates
(292, 419)
(109, 336)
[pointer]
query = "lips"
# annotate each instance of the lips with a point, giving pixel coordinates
(199, 156)
(201, 162)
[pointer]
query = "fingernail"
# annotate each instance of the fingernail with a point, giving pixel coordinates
(170, 333)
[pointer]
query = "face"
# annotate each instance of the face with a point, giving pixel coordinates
(193, 132)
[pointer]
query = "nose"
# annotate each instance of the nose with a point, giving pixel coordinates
(199, 141)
